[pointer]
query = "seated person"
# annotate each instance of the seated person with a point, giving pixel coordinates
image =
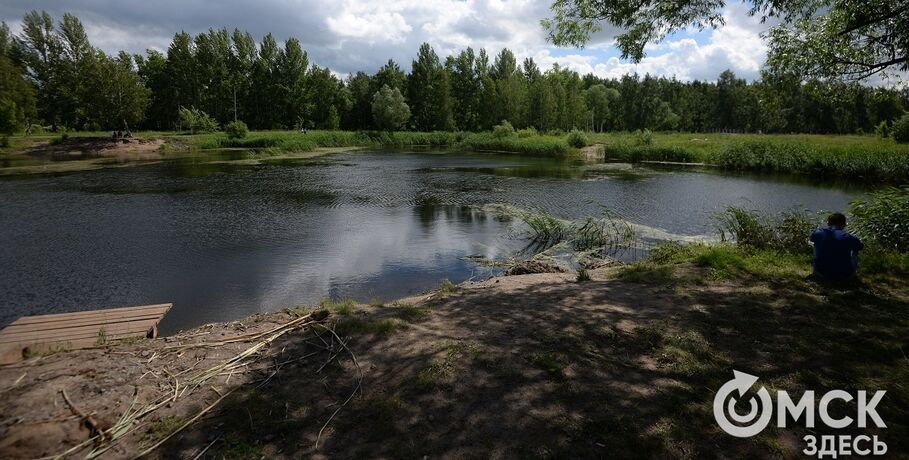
(835, 250)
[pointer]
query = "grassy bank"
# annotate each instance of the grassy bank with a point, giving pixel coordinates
(849, 157)
(825, 155)
(294, 141)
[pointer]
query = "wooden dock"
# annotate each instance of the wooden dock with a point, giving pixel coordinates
(35, 335)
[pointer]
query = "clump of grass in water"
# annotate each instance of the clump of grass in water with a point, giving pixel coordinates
(546, 229)
(605, 232)
(787, 231)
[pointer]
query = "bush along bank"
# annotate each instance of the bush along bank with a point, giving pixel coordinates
(286, 141)
(869, 159)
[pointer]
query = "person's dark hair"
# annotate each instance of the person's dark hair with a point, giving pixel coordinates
(837, 219)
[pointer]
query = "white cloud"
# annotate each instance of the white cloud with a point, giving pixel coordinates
(370, 21)
(351, 35)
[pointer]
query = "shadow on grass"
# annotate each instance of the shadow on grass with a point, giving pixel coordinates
(612, 369)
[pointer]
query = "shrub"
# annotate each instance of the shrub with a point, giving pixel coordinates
(882, 130)
(577, 139)
(528, 132)
(644, 137)
(197, 121)
(900, 130)
(503, 130)
(236, 130)
(4, 142)
(883, 218)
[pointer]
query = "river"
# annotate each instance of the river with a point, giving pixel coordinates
(225, 239)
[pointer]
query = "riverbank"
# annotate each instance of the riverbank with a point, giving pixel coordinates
(841, 156)
(857, 158)
(540, 365)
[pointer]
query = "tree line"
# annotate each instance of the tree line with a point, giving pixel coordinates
(52, 75)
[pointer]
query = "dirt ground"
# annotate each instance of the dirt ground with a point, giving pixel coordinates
(535, 365)
(81, 148)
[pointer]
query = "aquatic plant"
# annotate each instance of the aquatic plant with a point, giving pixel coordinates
(787, 230)
(604, 232)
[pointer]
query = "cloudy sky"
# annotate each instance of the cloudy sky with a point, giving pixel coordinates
(351, 35)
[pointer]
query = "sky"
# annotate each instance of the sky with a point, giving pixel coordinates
(352, 35)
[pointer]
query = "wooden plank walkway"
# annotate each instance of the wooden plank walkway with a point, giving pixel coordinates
(31, 335)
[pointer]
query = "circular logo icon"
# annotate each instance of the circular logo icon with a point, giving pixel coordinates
(746, 425)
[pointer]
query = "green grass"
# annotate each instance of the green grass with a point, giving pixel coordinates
(583, 275)
(410, 312)
(163, 427)
(440, 373)
(820, 155)
(550, 363)
(356, 325)
(344, 307)
(447, 289)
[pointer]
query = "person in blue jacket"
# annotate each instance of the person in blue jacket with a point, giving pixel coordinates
(835, 250)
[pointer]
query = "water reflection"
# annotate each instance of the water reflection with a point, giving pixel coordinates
(223, 239)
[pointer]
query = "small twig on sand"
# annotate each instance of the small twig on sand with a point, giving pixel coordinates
(87, 419)
(14, 383)
(352, 394)
(203, 451)
(186, 424)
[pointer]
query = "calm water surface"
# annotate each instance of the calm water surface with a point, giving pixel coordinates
(222, 240)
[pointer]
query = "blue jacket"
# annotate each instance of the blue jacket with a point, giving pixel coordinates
(835, 252)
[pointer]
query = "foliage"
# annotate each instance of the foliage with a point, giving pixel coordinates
(900, 129)
(528, 132)
(882, 130)
(195, 120)
(583, 275)
(644, 137)
(389, 111)
(786, 231)
(236, 130)
(882, 218)
(607, 231)
(539, 145)
(54, 76)
(824, 38)
(8, 117)
(877, 161)
(577, 139)
(503, 129)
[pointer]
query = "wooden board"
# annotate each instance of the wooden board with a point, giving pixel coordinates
(68, 331)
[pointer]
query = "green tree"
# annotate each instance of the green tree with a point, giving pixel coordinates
(429, 95)
(389, 111)
(17, 98)
(360, 114)
(465, 89)
(600, 101)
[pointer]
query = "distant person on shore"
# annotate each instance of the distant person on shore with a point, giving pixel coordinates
(835, 250)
